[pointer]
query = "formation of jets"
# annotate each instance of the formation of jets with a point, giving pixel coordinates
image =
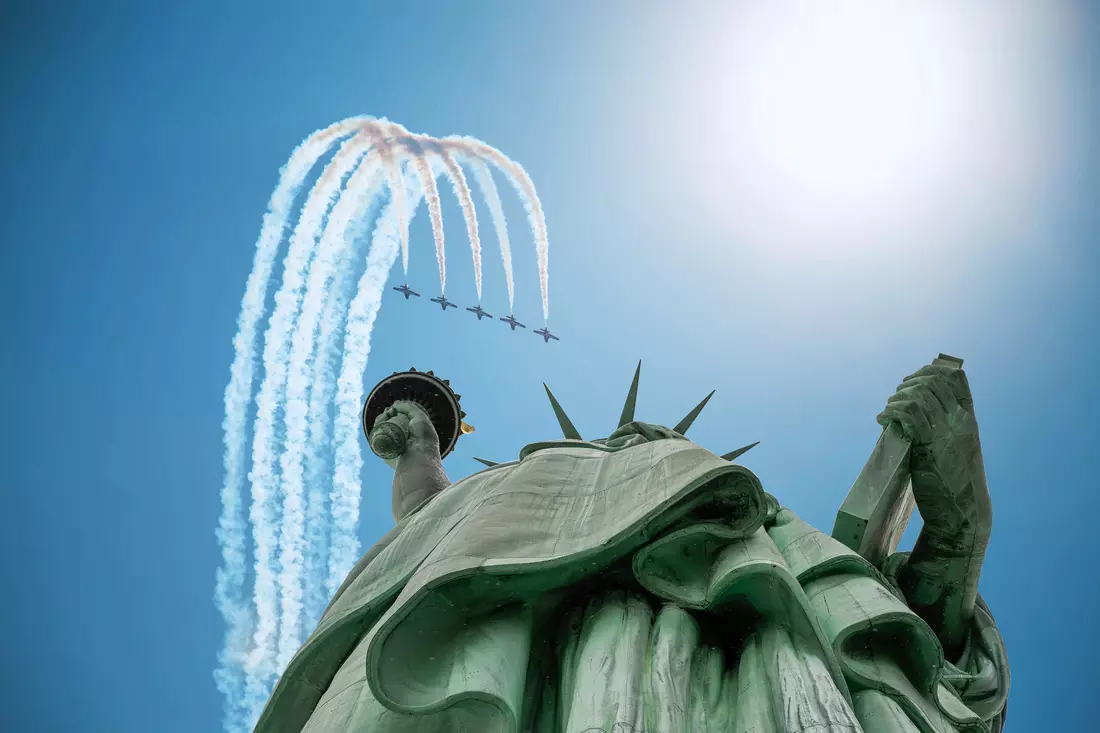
(478, 311)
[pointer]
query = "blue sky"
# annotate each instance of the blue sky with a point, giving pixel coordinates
(799, 270)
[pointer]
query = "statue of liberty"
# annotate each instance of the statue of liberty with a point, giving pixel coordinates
(640, 583)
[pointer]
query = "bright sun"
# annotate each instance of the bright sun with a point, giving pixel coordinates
(839, 120)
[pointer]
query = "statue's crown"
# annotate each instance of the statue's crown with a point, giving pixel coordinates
(570, 432)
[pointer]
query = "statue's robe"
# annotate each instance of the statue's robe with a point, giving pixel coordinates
(627, 585)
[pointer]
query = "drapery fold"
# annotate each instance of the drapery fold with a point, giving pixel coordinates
(492, 609)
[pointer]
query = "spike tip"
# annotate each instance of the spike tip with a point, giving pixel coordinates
(683, 425)
(567, 428)
(734, 454)
(631, 398)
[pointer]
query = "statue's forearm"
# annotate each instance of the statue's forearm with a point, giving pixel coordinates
(416, 478)
(940, 581)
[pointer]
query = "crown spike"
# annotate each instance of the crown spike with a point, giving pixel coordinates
(631, 398)
(567, 428)
(683, 425)
(490, 464)
(739, 452)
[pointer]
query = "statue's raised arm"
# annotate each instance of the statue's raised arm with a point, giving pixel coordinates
(418, 473)
(935, 411)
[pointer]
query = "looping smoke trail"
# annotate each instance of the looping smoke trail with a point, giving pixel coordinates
(344, 547)
(523, 185)
(435, 211)
(232, 530)
(351, 205)
(311, 325)
(385, 132)
(295, 555)
(260, 664)
(397, 186)
(318, 458)
(469, 213)
(491, 195)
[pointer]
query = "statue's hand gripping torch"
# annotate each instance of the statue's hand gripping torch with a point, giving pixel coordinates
(389, 438)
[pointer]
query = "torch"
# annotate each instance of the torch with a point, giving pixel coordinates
(434, 395)
(876, 511)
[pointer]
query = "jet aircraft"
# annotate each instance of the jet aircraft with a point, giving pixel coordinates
(546, 335)
(407, 291)
(511, 321)
(480, 312)
(443, 302)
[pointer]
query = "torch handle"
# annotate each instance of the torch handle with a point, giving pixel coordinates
(876, 511)
(388, 438)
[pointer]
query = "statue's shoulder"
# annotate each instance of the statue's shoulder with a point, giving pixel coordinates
(364, 562)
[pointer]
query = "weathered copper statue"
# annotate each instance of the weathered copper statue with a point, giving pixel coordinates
(642, 583)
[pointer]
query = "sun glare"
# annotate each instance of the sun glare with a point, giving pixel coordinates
(839, 121)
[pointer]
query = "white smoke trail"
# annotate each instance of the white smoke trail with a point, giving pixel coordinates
(397, 186)
(260, 663)
(232, 528)
(344, 501)
(318, 458)
(311, 320)
(292, 545)
(466, 200)
(523, 185)
(435, 210)
(385, 133)
(304, 554)
(489, 192)
(358, 192)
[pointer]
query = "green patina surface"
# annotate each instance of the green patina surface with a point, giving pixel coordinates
(636, 583)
